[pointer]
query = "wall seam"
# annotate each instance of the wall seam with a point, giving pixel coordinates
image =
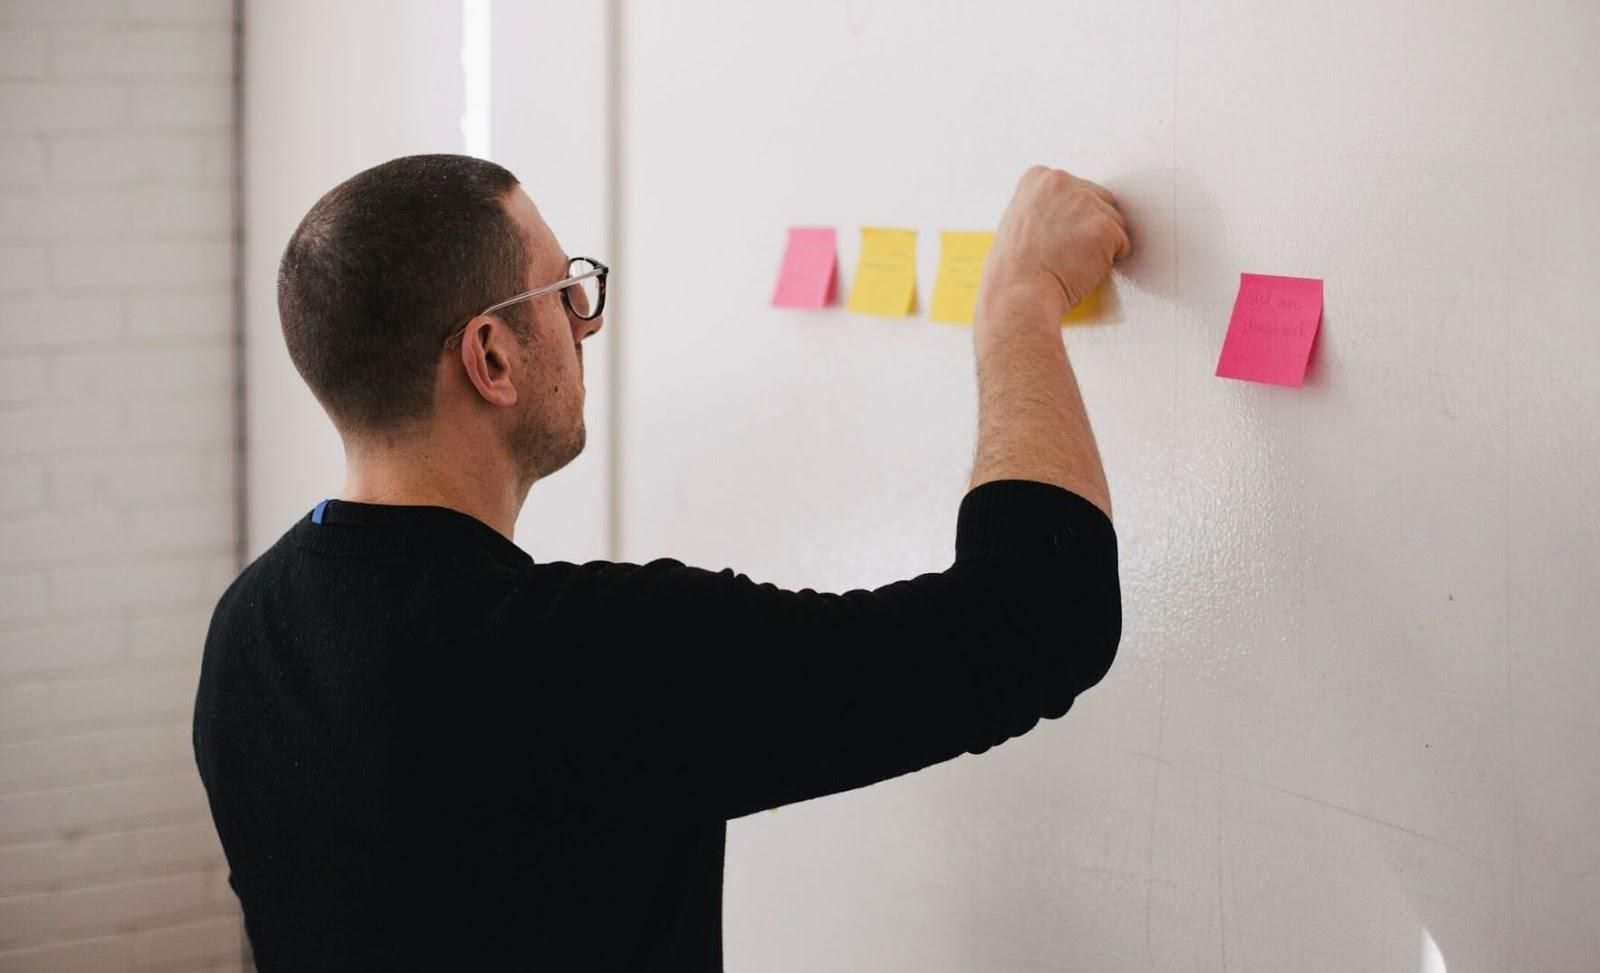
(614, 223)
(241, 480)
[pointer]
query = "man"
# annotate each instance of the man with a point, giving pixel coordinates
(423, 748)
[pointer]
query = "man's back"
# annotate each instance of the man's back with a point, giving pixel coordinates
(393, 779)
(419, 745)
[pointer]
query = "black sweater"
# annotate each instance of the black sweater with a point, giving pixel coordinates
(424, 749)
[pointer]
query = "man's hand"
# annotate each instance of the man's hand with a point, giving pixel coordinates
(1057, 241)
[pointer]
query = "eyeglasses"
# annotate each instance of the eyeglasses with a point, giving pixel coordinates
(583, 291)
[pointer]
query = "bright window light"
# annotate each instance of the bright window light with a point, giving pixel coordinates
(475, 15)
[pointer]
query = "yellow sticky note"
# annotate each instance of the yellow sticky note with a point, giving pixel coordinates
(886, 273)
(955, 288)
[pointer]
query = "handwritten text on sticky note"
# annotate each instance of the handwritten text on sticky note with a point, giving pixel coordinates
(955, 288)
(1274, 322)
(807, 275)
(886, 273)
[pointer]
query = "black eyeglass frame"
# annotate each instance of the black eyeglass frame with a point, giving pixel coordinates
(599, 270)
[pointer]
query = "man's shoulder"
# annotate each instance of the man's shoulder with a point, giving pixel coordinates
(282, 560)
(281, 551)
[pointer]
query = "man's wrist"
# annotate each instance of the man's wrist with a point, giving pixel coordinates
(1022, 301)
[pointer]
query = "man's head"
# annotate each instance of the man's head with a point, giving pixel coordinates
(396, 259)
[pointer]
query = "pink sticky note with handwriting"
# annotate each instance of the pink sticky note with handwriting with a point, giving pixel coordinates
(1274, 322)
(806, 278)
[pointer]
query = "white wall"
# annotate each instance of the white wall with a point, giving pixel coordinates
(117, 447)
(1353, 711)
(331, 89)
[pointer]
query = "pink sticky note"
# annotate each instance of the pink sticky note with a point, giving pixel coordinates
(1274, 322)
(806, 278)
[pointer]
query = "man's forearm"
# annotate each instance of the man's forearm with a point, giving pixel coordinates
(1031, 420)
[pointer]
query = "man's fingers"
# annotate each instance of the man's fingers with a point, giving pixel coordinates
(1100, 191)
(1124, 244)
(1111, 211)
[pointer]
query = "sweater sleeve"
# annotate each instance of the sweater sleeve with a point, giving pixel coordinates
(729, 696)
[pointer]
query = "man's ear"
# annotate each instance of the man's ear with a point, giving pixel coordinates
(488, 347)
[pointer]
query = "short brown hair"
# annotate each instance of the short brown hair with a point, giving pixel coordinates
(383, 268)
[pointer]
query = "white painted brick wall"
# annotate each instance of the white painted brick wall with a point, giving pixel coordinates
(117, 476)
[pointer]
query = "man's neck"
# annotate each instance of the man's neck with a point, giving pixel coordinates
(419, 476)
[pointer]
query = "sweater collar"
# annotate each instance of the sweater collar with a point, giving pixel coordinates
(344, 525)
